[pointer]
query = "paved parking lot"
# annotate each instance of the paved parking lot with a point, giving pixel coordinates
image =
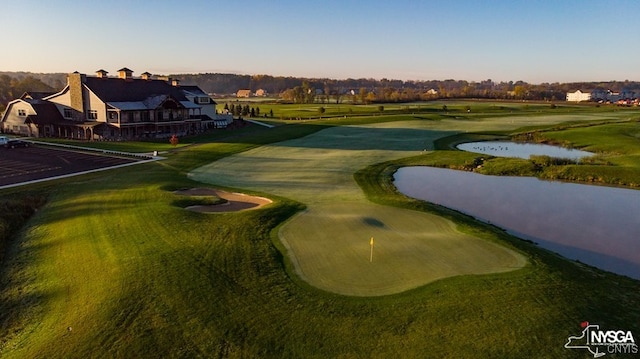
(38, 162)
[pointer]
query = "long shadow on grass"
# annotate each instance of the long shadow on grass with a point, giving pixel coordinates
(80, 209)
(22, 302)
(372, 138)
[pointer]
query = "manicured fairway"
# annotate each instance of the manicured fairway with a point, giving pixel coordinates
(328, 243)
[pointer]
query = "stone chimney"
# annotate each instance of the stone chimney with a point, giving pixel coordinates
(101, 74)
(146, 76)
(76, 82)
(125, 74)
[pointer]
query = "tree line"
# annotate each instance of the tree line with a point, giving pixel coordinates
(240, 110)
(325, 90)
(12, 88)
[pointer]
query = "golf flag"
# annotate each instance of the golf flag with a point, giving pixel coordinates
(371, 255)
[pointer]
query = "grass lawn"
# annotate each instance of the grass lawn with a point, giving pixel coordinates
(324, 242)
(329, 246)
(110, 266)
(440, 108)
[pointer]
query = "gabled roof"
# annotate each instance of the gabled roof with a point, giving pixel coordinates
(134, 90)
(149, 103)
(46, 113)
(195, 90)
(35, 95)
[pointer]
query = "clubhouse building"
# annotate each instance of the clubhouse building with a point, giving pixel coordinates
(114, 108)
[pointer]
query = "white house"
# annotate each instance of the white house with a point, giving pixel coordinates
(578, 96)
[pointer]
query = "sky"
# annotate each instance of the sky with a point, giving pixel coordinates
(534, 41)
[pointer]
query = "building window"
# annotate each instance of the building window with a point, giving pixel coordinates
(145, 116)
(22, 112)
(203, 100)
(92, 114)
(68, 113)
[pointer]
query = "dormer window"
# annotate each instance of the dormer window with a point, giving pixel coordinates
(68, 113)
(22, 112)
(125, 73)
(204, 100)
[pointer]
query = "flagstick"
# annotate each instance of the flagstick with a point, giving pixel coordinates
(371, 255)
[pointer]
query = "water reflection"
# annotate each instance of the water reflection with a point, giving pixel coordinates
(521, 150)
(597, 225)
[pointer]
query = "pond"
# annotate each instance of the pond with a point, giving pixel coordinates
(521, 150)
(597, 225)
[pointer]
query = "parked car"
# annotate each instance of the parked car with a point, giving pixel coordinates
(16, 143)
(3, 140)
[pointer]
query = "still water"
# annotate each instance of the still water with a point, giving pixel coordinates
(597, 225)
(522, 150)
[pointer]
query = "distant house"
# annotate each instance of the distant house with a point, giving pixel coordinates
(578, 96)
(123, 107)
(261, 93)
(626, 96)
(243, 93)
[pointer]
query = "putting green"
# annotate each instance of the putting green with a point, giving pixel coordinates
(329, 242)
(330, 245)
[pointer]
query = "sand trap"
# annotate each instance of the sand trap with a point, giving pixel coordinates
(235, 201)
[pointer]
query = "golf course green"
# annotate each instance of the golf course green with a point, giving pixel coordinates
(328, 243)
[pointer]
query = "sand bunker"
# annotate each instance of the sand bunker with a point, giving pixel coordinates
(235, 201)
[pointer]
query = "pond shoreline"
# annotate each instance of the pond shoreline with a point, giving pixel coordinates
(571, 219)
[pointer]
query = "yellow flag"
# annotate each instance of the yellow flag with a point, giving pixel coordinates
(371, 255)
